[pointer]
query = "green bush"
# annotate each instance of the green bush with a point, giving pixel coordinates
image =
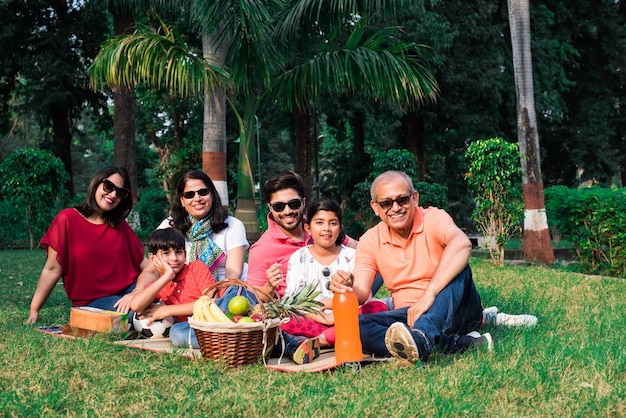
(594, 220)
(33, 181)
(152, 208)
(495, 179)
(13, 232)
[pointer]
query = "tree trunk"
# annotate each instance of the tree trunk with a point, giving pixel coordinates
(124, 113)
(414, 139)
(246, 206)
(303, 158)
(537, 244)
(62, 142)
(214, 140)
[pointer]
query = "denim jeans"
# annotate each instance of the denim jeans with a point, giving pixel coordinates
(457, 309)
(107, 302)
(182, 335)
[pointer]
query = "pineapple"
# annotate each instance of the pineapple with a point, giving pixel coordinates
(298, 304)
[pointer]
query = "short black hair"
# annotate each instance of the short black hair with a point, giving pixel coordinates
(282, 181)
(164, 239)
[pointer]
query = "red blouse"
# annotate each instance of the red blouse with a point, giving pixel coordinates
(96, 260)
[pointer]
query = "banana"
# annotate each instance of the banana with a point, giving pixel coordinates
(206, 312)
(217, 313)
(198, 313)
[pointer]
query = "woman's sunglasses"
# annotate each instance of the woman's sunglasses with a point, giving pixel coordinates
(280, 206)
(192, 193)
(109, 187)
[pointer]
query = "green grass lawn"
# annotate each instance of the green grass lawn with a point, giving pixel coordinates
(573, 363)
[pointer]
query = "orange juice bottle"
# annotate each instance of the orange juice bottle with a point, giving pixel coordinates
(347, 337)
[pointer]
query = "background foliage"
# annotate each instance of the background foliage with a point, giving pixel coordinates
(495, 179)
(594, 219)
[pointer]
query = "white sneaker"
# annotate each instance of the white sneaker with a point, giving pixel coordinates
(515, 320)
(489, 315)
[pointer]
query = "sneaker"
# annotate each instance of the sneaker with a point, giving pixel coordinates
(489, 315)
(303, 350)
(403, 345)
(515, 320)
(478, 340)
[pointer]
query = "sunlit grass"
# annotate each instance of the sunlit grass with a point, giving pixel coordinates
(573, 363)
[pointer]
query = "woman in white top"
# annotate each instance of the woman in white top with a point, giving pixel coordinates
(212, 236)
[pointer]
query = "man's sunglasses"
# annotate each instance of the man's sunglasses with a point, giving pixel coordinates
(400, 200)
(109, 187)
(280, 206)
(192, 193)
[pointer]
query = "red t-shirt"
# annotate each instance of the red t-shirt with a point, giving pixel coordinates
(96, 260)
(187, 286)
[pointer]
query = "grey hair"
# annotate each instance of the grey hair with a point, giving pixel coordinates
(387, 177)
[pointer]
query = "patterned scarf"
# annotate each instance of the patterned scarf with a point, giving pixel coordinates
(202, 246)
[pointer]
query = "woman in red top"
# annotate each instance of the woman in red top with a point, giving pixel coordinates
(93, 248)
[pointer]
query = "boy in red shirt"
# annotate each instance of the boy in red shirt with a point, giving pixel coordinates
(178, 286)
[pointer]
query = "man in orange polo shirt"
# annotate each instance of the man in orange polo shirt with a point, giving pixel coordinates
(423, 257)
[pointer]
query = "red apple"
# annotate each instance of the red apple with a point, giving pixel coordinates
(236, 318)
(257, 317)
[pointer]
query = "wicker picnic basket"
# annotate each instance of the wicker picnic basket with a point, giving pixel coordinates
(236, 343)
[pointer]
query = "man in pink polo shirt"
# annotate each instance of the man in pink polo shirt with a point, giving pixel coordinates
(423, 257)
(285, 233)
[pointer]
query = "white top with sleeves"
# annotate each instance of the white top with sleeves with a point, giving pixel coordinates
(304, 269)
(232, 237)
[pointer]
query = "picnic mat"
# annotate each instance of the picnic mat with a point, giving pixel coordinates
(326, 360)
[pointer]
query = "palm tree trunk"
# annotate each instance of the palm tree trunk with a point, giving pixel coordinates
(214, 140)
(537, 244)
(246, 206)
(124, 112)
(302, 120)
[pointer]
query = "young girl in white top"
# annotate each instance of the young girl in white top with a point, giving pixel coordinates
(316, 263)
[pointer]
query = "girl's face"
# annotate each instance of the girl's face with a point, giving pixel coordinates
(324, 228)
(199, 201)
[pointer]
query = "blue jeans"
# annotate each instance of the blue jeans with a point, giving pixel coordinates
(107, 302)
(182, 335)
(457, 309)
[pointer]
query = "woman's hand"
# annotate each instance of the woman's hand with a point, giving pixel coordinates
(33, 317)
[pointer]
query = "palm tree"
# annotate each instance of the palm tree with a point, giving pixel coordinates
(257, 47)
(537, 244)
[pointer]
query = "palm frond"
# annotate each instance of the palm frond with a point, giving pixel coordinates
(379, 66)
(154, 59)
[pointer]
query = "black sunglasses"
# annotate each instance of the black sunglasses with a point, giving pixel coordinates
(400, 200)
(109, 187)
(191, 194)
(280, 206)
